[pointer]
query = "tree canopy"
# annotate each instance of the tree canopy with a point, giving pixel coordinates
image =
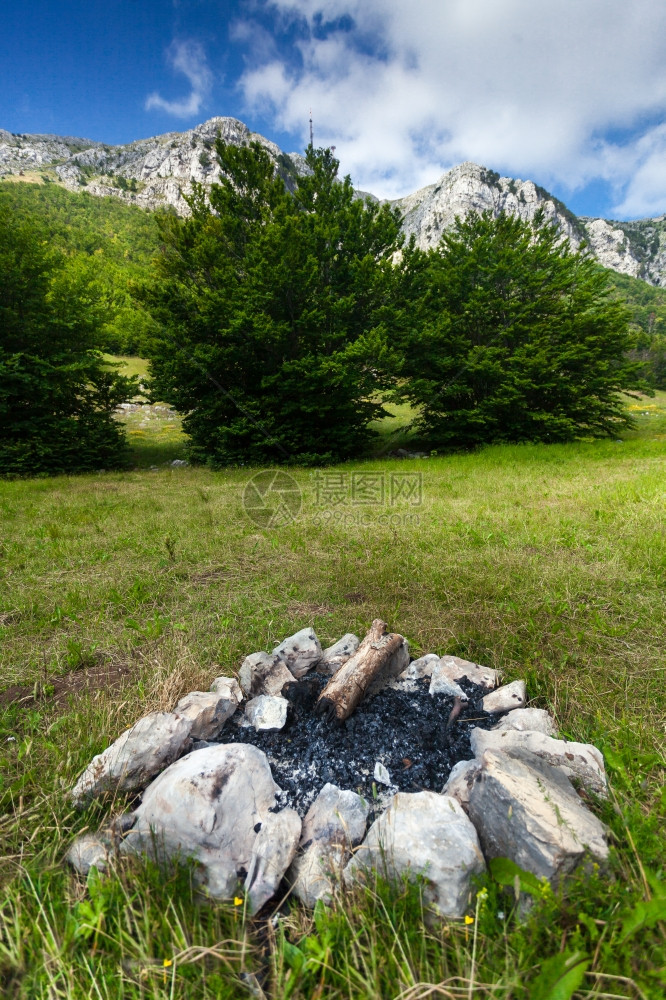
(274, 310)
(516, 337)
(57, 396)
(116, 240)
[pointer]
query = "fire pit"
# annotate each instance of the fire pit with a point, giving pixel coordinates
(396, 740)
(272, 779)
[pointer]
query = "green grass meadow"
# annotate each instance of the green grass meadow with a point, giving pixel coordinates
(547, 562)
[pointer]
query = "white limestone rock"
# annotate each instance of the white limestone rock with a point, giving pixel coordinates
(140, 753)
(91, 849)
(506, 698)
(423, 667)
(469, 187)
(273, 851)
(267, 712)
(334, 656)
(580, 761)
(264, 673)
(333, 825)
(424, 834)
(454, 668)
(381, 774)
(440, 683)
(526, 720)
(206, 807)
(300, 652)
(207, 711)
(528, 811)
(460, 780)
(229, 688)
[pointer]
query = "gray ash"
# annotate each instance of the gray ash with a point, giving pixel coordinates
(404, 730)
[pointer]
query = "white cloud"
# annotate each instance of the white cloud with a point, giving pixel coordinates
(407, 88)
(188, 58)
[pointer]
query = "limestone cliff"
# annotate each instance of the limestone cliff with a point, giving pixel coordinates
(158, 172)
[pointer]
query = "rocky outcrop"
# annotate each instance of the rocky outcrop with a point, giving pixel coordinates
(159, 172)
(152, 173)
(472, 188)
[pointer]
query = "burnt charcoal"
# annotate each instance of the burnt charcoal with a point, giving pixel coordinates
(409, 731)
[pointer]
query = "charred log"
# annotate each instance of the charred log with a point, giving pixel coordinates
(378, 656)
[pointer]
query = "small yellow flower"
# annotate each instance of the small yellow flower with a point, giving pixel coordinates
(468, 921)
(238, 901)
(167, 962)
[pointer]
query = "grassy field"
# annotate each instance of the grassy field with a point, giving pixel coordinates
(121, 592)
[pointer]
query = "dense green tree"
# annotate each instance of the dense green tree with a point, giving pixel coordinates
(516, 338)
(274, 308)
(57, 396)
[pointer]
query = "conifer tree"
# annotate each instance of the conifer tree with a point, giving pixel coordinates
(273, 311)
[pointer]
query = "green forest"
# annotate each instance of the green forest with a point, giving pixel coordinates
(112, 242)
(280, 323)
(122, 240)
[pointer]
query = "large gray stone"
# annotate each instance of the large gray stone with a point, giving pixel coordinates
(207, 711)
(581, 761)
(264, 673)
(423, 667)
(528, 811)
(415, 673)
(273, 851)
(140, 753)
(528, 720)
(424, 834)
(506, 698)
(334, 823)
(454, 668)
(266, 712)
(206, 807)
(300, 651)
(338, 653)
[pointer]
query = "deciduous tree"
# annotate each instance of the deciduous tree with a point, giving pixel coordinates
(57, 395)
(516, 338)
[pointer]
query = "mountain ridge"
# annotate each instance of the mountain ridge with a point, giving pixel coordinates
(159, 171)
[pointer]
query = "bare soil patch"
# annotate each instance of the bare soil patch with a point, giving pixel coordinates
(97, 677)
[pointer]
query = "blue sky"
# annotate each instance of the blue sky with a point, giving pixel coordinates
(568, 93)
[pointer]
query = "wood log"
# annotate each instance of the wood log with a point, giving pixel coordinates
(352, 679)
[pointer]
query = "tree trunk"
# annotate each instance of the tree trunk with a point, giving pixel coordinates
(378, 654)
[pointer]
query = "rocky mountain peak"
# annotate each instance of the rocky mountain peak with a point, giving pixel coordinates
(159, 172)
